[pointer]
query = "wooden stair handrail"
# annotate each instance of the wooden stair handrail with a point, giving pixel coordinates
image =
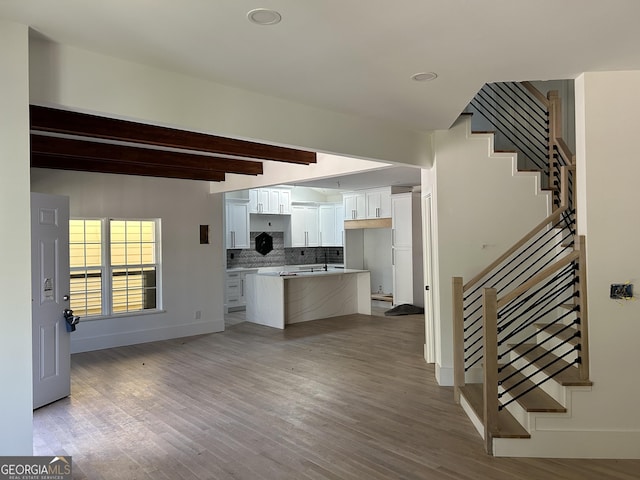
(533, 281)
(565, 150)
(536, 93)
(554, 217)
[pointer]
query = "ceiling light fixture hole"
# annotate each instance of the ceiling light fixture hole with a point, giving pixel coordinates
(264, 16)
(424, 76)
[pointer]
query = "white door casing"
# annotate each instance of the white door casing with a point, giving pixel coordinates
(429, 346)
(50, 297)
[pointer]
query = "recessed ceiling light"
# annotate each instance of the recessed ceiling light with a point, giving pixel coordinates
(424, 76)
(264, 16)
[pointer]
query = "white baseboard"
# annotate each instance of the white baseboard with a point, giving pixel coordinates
(444, 376)
(121, 339)
(572, 444)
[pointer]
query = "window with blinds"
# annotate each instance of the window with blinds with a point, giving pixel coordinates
(114, 266)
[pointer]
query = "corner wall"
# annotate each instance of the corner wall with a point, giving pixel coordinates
(16, 400)
(481, 207)
(192, 278)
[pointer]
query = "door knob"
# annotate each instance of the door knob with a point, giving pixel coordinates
(66, 298)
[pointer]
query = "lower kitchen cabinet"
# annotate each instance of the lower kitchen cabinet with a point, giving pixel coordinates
(235, 289)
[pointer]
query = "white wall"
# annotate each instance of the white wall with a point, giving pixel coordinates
(481, 208)
(16, 400)
(85, 81)
(608, 174)
(191, 273)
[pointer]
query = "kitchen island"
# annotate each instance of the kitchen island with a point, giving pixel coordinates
(277, 299)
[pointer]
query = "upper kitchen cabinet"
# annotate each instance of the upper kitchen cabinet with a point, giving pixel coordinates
(370, 204)
(331, 218)
(272, 200)
(305, 226)
(237, 223)
(378, 202)
(355, 206)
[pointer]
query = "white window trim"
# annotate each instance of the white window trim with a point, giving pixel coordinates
(107, 270)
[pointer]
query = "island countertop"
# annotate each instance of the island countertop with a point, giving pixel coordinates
(277, 299)
(307, 273)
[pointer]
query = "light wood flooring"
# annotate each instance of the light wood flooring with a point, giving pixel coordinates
(343, 398)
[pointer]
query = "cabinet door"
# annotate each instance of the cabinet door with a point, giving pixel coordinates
(327, 221)
(339, 225)
(298, 231)
(349, 202)
(355, 207)
(379, 203)
(253, 200)
(285, 202)
(237, 233)
(402, 276)
(263, 200)
(312, 226)
(401, 220)
(384, 209)
(361, 206)
(274, 202)
(373, 198)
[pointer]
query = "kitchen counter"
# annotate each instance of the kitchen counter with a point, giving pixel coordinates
(277, 299)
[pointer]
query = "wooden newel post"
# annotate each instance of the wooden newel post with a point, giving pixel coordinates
(458, 337)
(490, 344)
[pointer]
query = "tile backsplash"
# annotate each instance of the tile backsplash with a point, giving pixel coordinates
(281, 255)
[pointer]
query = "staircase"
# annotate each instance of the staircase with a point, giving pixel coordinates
(520, 325)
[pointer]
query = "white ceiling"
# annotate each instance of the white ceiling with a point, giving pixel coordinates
(354, 56)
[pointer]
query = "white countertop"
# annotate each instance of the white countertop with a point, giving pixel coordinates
(286, 268)
(287, 274)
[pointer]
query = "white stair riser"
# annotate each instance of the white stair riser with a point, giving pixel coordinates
(551, 387)
(554, 342)
(515, 409)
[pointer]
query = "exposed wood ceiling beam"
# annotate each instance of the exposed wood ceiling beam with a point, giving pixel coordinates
(40, 160)
(54, 120)
(128, 155)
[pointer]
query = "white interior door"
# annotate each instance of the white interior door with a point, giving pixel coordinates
(50, 296)
(429, 344)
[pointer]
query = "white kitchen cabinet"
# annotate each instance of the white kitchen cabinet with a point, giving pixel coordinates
(274, 201)
(378, 202)
(406, 245)
(237, 223)
(331, 221)
(305, 226)
(235, 289)
(355, 206)
(368, 204)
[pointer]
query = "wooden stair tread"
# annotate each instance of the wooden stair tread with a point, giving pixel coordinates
(504, 151)
(568, 378)
(508, 426)
(558, 330)
(537, 400)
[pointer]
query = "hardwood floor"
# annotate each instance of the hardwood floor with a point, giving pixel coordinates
(342, 398)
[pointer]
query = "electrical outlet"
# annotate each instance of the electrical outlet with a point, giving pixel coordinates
(198, 314)
(621, 291)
